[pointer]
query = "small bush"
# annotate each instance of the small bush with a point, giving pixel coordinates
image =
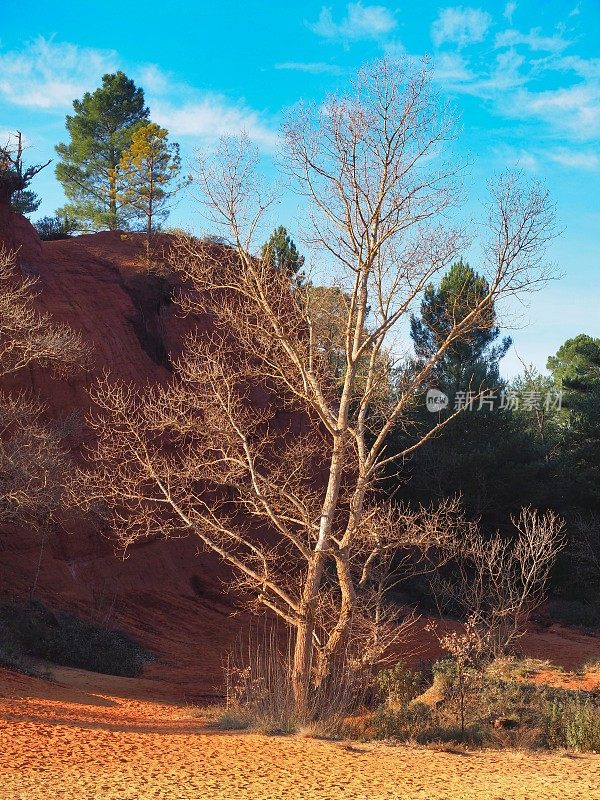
(51, 229)
(11, 652)
(65, 639)
(403, 725)
(574, 724)
(499, 709)
(398, 685)
(232, 720)
(576, 612)
(445, 672)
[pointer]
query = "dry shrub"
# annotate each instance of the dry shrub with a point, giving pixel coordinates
(260, 693)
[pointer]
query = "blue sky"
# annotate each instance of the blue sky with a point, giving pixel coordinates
(523, 76)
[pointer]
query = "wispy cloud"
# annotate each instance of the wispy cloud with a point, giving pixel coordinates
(516, 158)
(519, 82)
(312, 67)
(460, 26)
(153, 79)
(585, 160)
(509, 10)
(588, 68)
(539, 158)
(50, 75)
(361, 22)
(575, 110)
(212, 117)
(451, 67)
(499, 77)
(534, 40)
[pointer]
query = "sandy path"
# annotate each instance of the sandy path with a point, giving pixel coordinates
(68, 744)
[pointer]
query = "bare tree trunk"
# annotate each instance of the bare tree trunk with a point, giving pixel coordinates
(303, 651)
(43, 538)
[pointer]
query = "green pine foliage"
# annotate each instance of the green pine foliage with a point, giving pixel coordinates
(100, 131)
(281, 253)
(25, 202)
(149, 171)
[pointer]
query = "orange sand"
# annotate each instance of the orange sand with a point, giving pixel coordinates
(63, 741)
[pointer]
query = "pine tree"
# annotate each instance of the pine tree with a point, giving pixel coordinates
(149, 169)
(101, 129)
(576, 371)
(470, 362)
(483, 453)
(15, 177)
(281, 252)
(25, 201)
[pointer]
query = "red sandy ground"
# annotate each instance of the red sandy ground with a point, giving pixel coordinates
(113, 743)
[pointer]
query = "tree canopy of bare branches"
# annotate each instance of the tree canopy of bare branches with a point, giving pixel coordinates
(14, 177)
(502, 580)
(33, 457)
(295, 510)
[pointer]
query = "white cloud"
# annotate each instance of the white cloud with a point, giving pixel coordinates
(50, 75)
(312, 67)
(451, 67)
(534, 40)
(573, 111)
(586, 160)
(533, 161)
(395, 50)
(509, 10)
(460, 26)
(360, 22)
(153, 79)
(503, 75)
(588, 68)
(212, 117)
(516, 158)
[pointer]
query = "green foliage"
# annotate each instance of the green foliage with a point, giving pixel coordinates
(501, 710)
(100, 131)
(486, 454)
(473, 360)
(149, 169)
(398, 685)
(53, 228)
(65, 639)
(574, 724)
(576, 370)
(282, 254)
(403, 725)
(25, 202)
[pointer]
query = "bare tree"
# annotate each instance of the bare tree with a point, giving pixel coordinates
(293, 509)
(28, 337)
(502, 580)
(14, 176)
(33, 454)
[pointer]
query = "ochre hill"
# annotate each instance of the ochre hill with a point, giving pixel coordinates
(165, 593)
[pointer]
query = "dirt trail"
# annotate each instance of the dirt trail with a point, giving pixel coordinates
(66, 742)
